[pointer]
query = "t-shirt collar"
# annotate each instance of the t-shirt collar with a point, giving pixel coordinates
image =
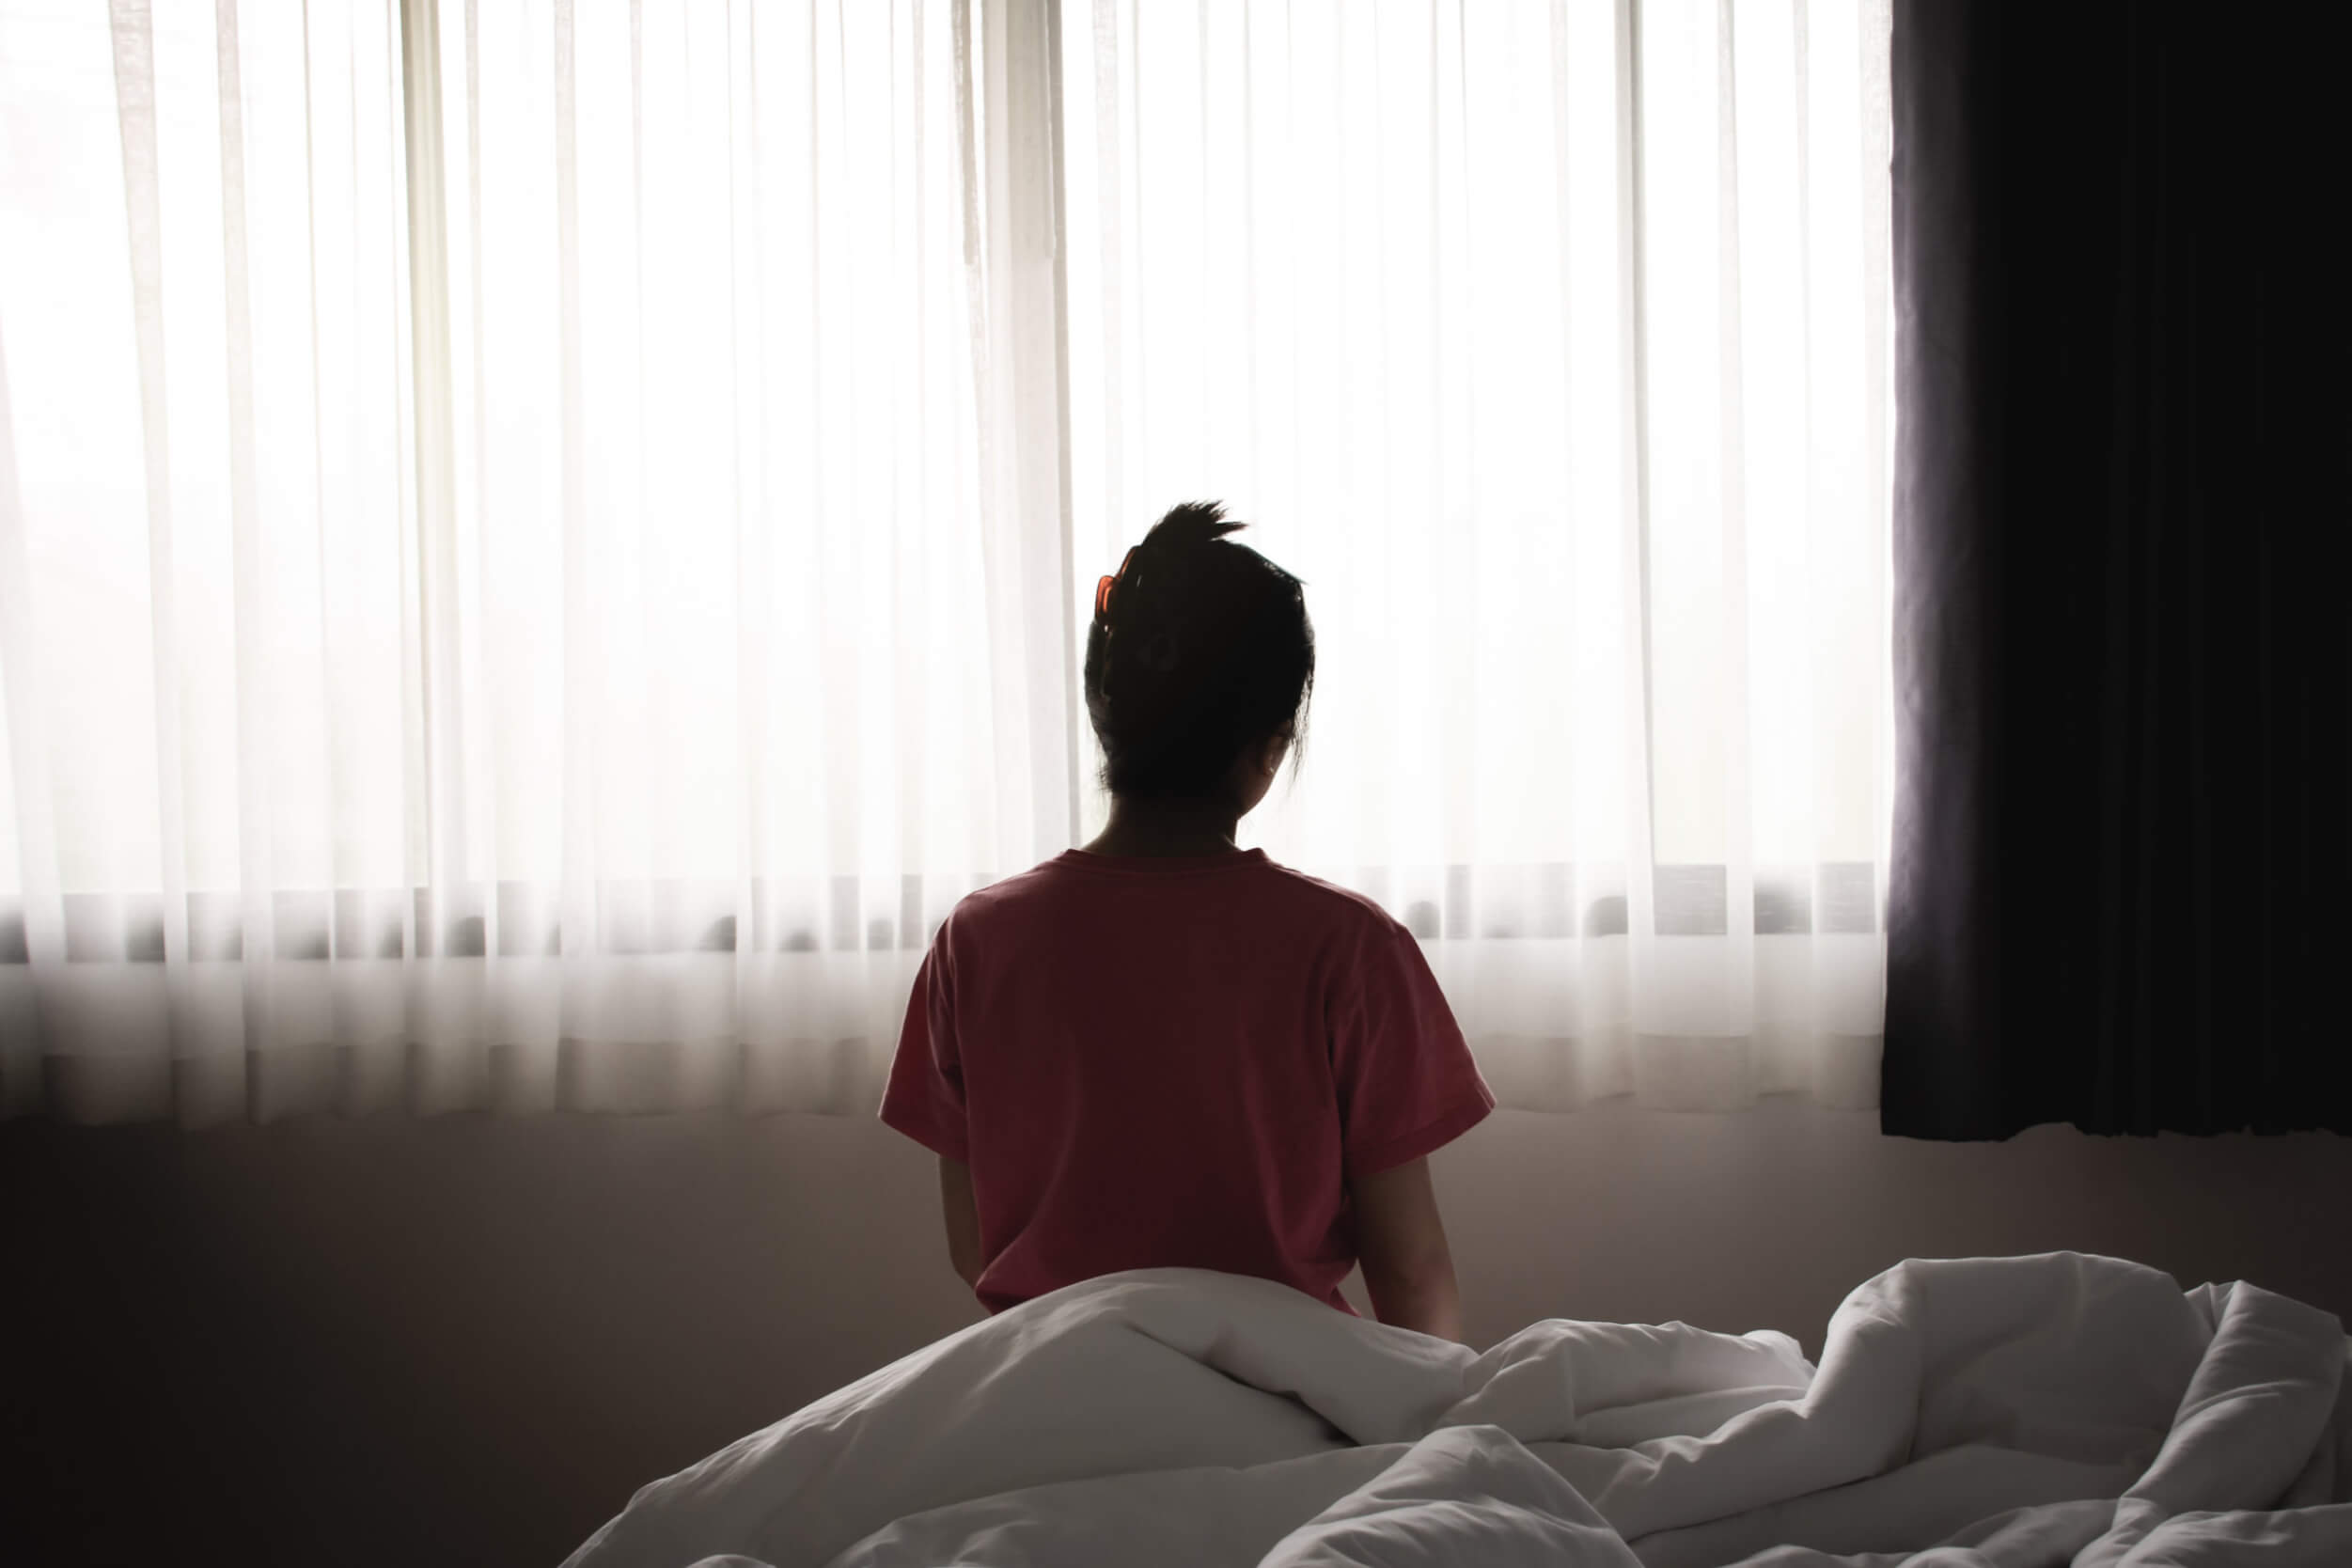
(1160, 865)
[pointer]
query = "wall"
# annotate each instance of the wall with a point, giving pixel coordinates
(466, 1340)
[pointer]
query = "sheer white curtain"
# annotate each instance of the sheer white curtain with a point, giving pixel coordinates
(1547, 340)
(542, 543)
(508, 595)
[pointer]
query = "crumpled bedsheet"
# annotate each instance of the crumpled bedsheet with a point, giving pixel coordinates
(1966, 1412)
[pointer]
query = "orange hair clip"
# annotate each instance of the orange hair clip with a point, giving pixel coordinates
(1103, 589)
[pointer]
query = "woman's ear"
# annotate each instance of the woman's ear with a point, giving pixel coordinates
(1253, 770)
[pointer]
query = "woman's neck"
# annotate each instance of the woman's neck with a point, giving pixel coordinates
(1156, 828)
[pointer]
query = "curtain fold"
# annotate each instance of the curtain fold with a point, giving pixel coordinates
(539, 540)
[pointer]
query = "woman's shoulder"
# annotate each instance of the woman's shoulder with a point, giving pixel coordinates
(1341, 905)
(993, 900)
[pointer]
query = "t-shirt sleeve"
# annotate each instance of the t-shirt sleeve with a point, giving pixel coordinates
(1405, 1079)
(925, 1096)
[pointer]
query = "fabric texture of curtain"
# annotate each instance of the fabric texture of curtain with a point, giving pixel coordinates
(2124, 665)
(541, 543)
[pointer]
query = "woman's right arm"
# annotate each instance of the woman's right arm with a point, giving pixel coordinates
(962, 1216)
(1408, 1269)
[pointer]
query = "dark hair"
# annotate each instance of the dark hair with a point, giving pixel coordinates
(1204, 649)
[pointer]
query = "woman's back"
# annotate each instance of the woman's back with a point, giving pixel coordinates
(1174, 1061)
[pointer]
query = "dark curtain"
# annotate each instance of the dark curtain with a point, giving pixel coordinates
(2122, 846)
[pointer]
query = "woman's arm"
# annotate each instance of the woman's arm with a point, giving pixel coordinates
(1408, 1269)
(962, 1216)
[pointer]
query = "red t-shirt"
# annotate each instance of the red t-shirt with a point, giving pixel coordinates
(1175, 1062)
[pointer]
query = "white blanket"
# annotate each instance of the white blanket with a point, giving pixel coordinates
(1975, 1413)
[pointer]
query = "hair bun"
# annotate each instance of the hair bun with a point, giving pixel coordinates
(1199, 647)
(1189, 525)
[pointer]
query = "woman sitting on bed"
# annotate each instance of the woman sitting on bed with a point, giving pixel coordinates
(1163, 1051)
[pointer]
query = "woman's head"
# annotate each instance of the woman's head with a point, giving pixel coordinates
(1202, 651)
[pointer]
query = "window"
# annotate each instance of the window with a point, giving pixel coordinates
(540, 556)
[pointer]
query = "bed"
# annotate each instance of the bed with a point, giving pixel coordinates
(1965, 1413)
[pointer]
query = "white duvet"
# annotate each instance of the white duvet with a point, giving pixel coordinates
(1975, 1413)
